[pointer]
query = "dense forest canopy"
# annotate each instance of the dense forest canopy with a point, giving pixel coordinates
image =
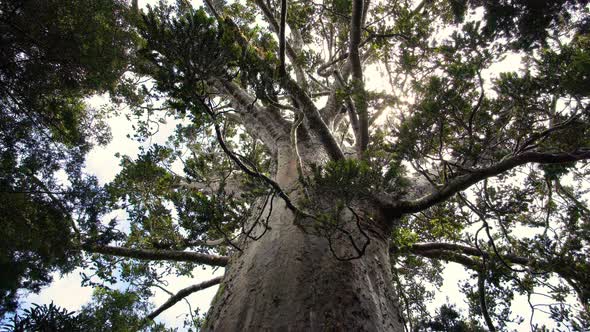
(367, 125)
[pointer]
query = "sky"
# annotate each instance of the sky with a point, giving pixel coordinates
(66, 291)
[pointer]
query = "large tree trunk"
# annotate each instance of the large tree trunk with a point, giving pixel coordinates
(290, 280)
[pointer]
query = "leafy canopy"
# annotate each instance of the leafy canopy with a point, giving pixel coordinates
(406, 105)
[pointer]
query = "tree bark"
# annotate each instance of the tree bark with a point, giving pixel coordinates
(290, 280)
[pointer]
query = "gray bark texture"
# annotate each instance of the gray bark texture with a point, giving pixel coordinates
(290, 280)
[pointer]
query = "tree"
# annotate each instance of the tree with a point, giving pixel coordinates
(53, 55)
(447, 319)
(110, 310)
(44, 318)
(331, 200)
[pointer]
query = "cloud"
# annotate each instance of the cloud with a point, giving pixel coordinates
(65, 291)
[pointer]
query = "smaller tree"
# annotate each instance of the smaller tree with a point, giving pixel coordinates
(53, 54)
(448, 319)
(108, 310)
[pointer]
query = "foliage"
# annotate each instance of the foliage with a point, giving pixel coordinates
(109, 311)
(447, 319)
(54, 54)
(33, 245)
(45, 318)
(114, 310)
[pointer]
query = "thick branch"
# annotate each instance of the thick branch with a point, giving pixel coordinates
(420, 6)
(288, 49)
(184, 293)
(481, 287)
(452, 257)
(331, 110)
(463, 254)
(269, 125)
(326, 69)
(152, 254)
(358, 88)
(352, 114)
(213, 10)
(429, 249)
(463, 182)
(250, 172)
(314, 119)
(332, 106)
(282, 37)
(232, 185)
(315, 122)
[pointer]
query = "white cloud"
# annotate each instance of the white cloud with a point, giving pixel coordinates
(65, 291)
(101, 161)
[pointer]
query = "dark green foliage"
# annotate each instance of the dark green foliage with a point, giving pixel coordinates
(152, 194)
(346, 178)
(109, 310)
(144, 186)
(187, 49)
(37, 239)
(45, 318)
(567, 70)
(182, 53)
(524, 23)
(448, 319)
(117, 311)
(68, 46)
(351, 179)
